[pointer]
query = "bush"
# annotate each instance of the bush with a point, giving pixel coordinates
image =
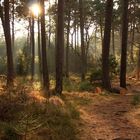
(11, 134)
(29, 117)
(113, 65)
(136, 100)
(95, 75)
(85, 86)
(22, 61)
(70, 85)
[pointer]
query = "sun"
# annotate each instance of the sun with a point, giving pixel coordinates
(35, 9)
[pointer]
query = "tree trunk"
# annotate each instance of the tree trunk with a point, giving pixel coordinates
(49, 37)
(95, 51)
(133, 31)
(6, 27)
(77, 36)
(44, 51)
(33, 48)
(113, 40)
(138, 65)
(13, 28)
(67, 48)
(124, 44)
(60, 48)
(106, 45)
(83, 70)
(39, 47)
(101, 29)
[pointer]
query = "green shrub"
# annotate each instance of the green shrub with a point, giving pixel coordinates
(10, 134)
(30, 116)
(113, 66)
(96, 74)
(136, 100)
(85, 86)
(70, 85)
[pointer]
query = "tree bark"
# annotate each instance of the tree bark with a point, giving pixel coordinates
(67, 48)
(124, 44)
(113, 40)
(5, 18)
(106, 45)
(39, 47)
(60, 48)
(13, 28)
(138, 65)
(33, 48)
(83, 60)
(44, 51)
(49, 36)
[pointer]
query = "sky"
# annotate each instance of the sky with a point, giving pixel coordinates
(21, 26)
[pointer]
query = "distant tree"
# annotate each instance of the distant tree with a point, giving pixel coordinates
(33, 47)
(5, 18)
(68, 12)
(124, 44)
(60, 48)
(106, 45)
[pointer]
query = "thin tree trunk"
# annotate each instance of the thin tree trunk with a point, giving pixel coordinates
(113, 40)
(124, 44)
(133, 33)
(138, 65)
(67, 48)
(39, 47)
(72, 45)
(132, 43)
(13, 28)
(33, 48)
(49, 38)
(101, 29)
(77, 36)
(95, 42)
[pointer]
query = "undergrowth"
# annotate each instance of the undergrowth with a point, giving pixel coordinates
(136, 100)
(24, 117)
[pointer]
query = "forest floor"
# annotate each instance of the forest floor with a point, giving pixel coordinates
(111, 117)
(104, 116)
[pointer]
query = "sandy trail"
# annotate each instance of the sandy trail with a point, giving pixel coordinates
(111, 118)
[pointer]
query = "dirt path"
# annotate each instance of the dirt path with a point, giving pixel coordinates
(110, 118)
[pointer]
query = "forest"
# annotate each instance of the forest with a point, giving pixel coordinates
(69, 69)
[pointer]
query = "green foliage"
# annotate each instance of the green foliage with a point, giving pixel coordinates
(113, 65)
(70, 85)
(85, 86)
(95, 75)
(22, 61)
(136, 100)
(10, 133)
(3, 65)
